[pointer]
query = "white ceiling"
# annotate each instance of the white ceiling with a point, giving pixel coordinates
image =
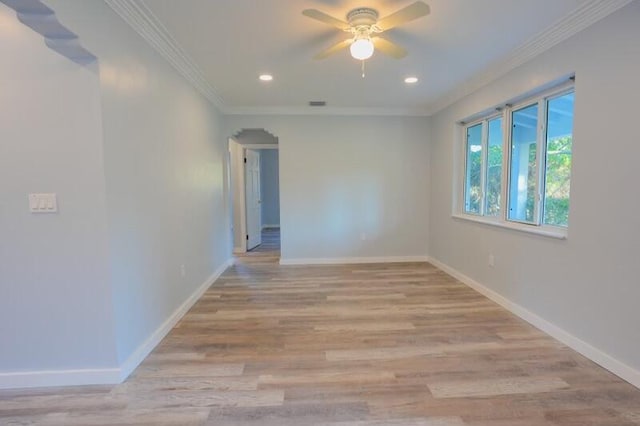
(228, 43)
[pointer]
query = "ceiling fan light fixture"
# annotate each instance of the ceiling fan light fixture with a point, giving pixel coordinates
(362, 49)
(365, 24)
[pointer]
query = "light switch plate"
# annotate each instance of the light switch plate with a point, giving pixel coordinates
(43, 203)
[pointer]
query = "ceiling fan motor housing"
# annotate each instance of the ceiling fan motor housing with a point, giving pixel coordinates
(362, 16)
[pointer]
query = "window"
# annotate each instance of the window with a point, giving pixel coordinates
(524, 146)
(558, 159)
(473, 186)
(531, 185)
(483, 179)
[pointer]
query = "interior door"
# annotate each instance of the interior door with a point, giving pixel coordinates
(253, 201)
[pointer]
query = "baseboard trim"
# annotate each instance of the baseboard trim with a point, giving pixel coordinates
(38, 379)
(353, 260)
(620, 369)
(107, 376)
(156, 337)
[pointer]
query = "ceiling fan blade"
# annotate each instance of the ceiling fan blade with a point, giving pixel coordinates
(413, 11)
(333, 49)
(389, 48)
(327, 19)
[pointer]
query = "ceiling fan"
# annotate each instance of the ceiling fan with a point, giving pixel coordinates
(364, 25)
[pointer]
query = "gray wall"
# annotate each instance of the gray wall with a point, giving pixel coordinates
(588, 284)
(136, 157)
(55, 294)
(342, 177)
(269, 187)
(164, 168)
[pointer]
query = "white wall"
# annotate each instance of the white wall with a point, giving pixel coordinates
(164, 168)
(269, 187)
(588, 284)
(55, 296)
(341, 177)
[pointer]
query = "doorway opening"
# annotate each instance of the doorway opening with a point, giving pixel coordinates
(254, 191)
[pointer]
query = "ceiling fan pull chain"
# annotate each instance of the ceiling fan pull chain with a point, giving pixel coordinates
(363, 69)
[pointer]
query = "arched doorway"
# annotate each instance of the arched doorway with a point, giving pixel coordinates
(254, 194)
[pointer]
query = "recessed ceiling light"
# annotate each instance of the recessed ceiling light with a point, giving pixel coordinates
(411, 80)
(266, 77)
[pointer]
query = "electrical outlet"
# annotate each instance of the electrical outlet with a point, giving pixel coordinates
(183, 270)
(492, 261)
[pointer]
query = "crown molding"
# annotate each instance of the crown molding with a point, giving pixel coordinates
(343, 111)
(138, 15)
(581, 18)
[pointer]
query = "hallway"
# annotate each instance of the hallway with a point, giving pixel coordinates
(270, 241)
(267, 252)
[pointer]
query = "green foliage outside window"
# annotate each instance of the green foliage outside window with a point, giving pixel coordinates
(557, 188)
(558, 181)
(475, 168)
(494, 180)
(533, 166)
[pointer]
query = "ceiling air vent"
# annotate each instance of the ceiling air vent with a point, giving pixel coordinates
(317, 103)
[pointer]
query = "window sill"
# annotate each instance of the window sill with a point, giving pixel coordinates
(558, 234)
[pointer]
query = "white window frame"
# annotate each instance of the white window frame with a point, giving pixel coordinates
(543, 161)
(537, 226)
(483, 162)
(540, 133)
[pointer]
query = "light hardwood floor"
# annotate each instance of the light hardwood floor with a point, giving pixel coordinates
(393, 344)
(270, 242)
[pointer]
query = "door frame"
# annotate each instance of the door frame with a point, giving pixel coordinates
(238, 188)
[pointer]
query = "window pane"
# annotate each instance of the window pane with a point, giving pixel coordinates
(522, 183)
(473, 174)
(494, 168)
(558, 161)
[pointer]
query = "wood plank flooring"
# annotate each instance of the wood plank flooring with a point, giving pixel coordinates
(394, 344)
(270, 241)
